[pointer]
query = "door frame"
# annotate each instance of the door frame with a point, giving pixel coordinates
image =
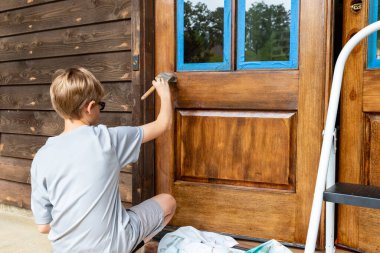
(143, 111)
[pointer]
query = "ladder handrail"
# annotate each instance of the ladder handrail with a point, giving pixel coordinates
(315, 215)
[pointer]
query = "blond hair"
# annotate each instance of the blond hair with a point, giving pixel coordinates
(72, 89)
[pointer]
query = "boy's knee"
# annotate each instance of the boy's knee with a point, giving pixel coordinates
(167, 202)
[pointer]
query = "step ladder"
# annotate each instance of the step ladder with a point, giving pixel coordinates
(342, 193)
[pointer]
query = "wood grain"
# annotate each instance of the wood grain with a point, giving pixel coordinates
(369, 237)
(15, 4)
(127, 169)
(314, 46)
(62, 14)
(125, 187)
(48, 123)
(31, 122)
(164, 60)
(137, 23)
(234, 142)
(371, 172)
(106, 67)
(143, 112)
(204, 207)
(269, 90)
(106, 37)
(15, 194)
(118, 97)
(351, 124)
(15, 169)
(21, 146)
(371, 91)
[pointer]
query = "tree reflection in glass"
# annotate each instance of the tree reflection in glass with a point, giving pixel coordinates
(203, 31)
(267, 30)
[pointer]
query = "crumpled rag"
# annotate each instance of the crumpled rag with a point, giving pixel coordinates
(191, 240)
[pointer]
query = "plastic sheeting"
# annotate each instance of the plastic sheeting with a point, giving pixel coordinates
(271, 246)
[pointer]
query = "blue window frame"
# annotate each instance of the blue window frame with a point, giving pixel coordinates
(222, 65)
(373, 59)
(293, 51)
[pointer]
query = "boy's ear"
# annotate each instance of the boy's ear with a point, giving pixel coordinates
(90, 106)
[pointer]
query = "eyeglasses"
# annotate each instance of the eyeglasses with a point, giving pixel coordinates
(102, 105)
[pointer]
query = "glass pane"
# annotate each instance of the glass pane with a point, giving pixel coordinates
(378, 35)
(267, 30)
(203, 31)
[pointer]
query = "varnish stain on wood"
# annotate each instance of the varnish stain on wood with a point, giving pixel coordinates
(241, 135)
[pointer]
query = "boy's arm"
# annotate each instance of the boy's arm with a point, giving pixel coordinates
(164, 119)
(43, 228)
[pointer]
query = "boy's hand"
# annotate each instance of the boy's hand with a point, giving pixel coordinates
(162, 88)
(164, 119)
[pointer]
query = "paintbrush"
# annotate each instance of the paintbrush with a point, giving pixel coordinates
(167, 76)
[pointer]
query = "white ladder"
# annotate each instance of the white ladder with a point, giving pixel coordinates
(338, 193)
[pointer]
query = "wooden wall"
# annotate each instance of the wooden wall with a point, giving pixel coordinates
(36, 38)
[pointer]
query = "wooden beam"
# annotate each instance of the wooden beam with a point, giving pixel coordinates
(118, 97)
(48, 123)
(15, 169)
(21, 146)
(15, 194)
(125, 187)
(105, 37)
(62, 14)
(16, 4)
(106, 67)
(143, 112)
(314, 46)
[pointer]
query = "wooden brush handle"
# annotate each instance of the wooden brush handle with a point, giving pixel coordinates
(167, 76)
(146, 94)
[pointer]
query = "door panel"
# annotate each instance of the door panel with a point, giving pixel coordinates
(242, 154)
(265, 90)
(371, 171)
(259, 148)
(235, 210)
(359, 228)
(371, 91)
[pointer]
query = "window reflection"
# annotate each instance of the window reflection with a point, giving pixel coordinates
(267, 30)
(203, 31)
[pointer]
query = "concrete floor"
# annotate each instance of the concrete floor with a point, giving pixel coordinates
(18, 234)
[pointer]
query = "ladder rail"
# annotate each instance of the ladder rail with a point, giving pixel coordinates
(330, 207)
(329, 132)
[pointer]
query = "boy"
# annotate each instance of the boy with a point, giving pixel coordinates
(75, 175)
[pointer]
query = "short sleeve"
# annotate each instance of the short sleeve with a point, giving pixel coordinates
(41, 206)
(127, 142)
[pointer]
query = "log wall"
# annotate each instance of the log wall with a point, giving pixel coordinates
(36, 38)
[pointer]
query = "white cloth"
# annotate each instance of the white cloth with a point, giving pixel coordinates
(191, 240)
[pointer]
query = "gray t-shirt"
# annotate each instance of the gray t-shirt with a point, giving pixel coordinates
(75, 180)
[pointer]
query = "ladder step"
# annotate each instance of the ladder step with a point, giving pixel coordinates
(353, 194)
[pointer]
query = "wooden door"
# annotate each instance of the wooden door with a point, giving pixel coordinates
(359, 228)
(242, 154)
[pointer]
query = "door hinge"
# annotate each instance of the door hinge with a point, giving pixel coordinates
(136, 63)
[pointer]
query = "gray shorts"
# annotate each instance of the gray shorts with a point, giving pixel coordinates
(145, 219)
